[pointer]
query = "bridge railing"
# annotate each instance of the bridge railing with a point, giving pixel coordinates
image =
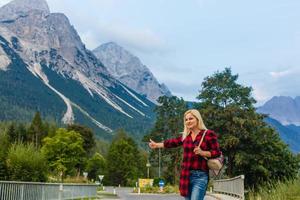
(12, 190)
(232, 186)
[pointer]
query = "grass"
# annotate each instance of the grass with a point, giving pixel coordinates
(106, 195)
(289, 190)
(155, 189)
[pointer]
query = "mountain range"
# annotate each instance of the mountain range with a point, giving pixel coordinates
(284, 116)
(129, 70)
(284, 109)
(44, 66)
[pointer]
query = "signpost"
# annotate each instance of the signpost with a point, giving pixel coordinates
(161, 184)
(101, 178)
(148, 165)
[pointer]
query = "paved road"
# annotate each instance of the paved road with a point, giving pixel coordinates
(126, 194)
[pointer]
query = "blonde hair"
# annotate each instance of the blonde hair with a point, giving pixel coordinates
(196, 114)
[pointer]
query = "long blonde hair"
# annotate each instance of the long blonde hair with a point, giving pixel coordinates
(196, 114)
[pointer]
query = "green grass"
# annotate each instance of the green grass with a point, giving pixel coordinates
(155, 189)
(106, 195)
(289, 190)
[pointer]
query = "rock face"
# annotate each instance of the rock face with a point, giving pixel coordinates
(49, 49)
(21, 8)
(128, 69)
(284, 109)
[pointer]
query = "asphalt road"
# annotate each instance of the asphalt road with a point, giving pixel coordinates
(126, 194)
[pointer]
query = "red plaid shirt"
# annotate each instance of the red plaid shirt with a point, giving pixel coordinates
(191, 161)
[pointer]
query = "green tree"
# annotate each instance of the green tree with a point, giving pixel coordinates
(16, 132)
(87, 135)
(12, 133)
(169, 124)
(124, 161)
(249, 144)
(4, 143)
(96, 166)
(64, 152)
(36, 130)
(26, 163)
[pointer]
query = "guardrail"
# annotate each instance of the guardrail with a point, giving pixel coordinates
(232, 186)
(12, 190)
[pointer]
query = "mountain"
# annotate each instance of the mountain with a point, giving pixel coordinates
(44, 66)
(284, 109)
(128, 69)
(289, 134)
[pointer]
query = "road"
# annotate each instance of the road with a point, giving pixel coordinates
(126, 194)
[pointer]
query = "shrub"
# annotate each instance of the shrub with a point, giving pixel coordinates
(26, 163)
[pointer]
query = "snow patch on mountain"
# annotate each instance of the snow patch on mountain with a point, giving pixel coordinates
(134, 96)
(36, 69)
(137, 110)
(93, 119)
(90, 85)
(68, 117)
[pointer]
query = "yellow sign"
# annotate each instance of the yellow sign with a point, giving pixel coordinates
(143, 182)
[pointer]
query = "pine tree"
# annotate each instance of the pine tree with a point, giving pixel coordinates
(36, 130)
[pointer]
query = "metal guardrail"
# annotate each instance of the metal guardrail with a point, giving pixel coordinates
(232, 186)
(12, 190)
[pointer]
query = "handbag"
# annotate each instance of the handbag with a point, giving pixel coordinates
(214, 164)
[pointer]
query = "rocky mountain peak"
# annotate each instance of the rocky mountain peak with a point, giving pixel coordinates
(285, 109)
(118, 59)
(128, 69)
(20, 8)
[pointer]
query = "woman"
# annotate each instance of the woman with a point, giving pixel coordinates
(194, 169)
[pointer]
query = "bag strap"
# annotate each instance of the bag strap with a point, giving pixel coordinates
(202, 141)
(202, 138)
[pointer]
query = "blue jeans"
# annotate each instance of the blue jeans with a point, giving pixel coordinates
(198, 185)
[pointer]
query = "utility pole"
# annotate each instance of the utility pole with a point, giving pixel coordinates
(159, 154)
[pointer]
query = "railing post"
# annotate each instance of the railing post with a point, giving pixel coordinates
(243, 186)
(22, 191)
(60, 193)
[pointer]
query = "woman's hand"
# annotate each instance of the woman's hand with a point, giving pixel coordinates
(198, 151)
(154, 145)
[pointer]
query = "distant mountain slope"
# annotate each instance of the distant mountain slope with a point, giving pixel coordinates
(289, 134)
(128, 69)
(44, 66)
(282, 108)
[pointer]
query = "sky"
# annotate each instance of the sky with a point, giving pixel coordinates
(182, 42)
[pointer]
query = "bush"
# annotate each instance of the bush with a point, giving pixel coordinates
(26, 163)
(156, 181)
(155, 189)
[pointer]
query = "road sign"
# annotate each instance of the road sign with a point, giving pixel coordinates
(161, 183)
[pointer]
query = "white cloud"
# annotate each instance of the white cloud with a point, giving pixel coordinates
(144, 40)
(260, 95)
(281, 73)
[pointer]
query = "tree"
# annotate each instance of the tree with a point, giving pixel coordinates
(169, 124)
(36, 130)
(124, 161)
(64, 151)
(96, 166)
(16, 133)
(26, 163)
(12, 133)
(249, 144)
(4, 143)
(86, 134)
